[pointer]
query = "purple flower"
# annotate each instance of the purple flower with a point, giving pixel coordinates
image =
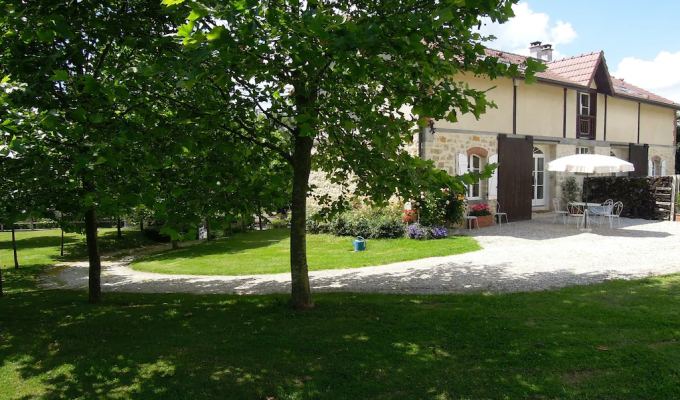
(415, 231)
(439, 232)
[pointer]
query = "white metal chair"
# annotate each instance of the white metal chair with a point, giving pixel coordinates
(556, 208)
(605, 210)
(617, 209)
(469, 218)
(576, 212)
(496, 206)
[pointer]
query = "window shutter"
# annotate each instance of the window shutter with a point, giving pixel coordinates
(593, 112)
(663, 168)
(650, 168)
(493, 181)
(462, 164)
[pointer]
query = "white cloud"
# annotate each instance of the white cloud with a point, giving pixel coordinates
(525, 27)
(660, 76)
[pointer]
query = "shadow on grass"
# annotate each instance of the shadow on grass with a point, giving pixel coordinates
(537, 345)
(35, 242)
(108, 242)
(228, 245)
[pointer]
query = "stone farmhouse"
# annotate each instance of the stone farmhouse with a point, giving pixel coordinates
(575, 107)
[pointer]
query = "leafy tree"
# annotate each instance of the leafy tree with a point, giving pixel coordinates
(85, 68)
(349, 82)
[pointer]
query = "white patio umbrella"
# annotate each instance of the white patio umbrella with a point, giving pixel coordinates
(590, 164)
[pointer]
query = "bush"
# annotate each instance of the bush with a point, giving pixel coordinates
(570, 191)
(370, 223)
(415, 231)
(156, 235)
(438, 232)
(439, 208)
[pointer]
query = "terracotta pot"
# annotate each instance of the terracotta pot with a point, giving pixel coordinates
(484, 221)
(677, 217)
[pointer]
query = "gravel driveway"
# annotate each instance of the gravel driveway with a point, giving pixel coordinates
(522, 256)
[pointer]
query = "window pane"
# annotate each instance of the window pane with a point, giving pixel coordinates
(541, 162)
(539, 194)
(539, 178)
(475, 162)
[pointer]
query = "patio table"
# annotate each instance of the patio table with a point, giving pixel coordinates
(585, 208)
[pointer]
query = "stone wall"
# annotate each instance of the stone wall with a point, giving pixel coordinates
(666, 154)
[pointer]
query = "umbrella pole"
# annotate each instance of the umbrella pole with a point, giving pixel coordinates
(585, 185)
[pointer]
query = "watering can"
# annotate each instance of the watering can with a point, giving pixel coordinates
(359, 243)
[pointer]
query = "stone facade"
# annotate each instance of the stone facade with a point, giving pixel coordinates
(666, 154)
(444, 147)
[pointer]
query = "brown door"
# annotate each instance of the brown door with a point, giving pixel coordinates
(638, 155)
(515, 190)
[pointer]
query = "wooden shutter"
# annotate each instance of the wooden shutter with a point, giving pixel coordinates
(650, 167)
(639, 156)
(462, 164)
(663, 168)
(593, 112)
(493, 181)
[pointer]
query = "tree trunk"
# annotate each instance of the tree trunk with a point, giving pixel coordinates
(62, 242)
(120, 234)
(302, 164)
(259, 213)
(207, 228)
(175, 244)
(141, 224)
(231, 231)
(93, 255)
(0, 281)
(14, 246)
(243, 225)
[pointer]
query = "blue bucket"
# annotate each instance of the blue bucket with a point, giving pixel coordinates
(359, 243)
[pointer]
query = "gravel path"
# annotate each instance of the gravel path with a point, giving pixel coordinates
(522, 256)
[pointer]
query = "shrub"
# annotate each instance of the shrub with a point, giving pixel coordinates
(415, 231)
(370, 223)
(436, 209)
(438, 232)
(570, 191)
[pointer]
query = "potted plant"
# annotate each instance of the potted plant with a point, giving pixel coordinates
(677, 205)
(483, 214)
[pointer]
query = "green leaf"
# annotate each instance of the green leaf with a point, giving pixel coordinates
(172, 2)
(100, 160)
(59, 76)
(215, 33)
(197, 13)
(185, 30)
(80, 114)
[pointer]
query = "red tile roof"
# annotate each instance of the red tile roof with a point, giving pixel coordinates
(579, 71)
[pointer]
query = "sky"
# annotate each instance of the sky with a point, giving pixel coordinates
(639, 38)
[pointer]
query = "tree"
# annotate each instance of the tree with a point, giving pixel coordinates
(348, 81)
(85, 68)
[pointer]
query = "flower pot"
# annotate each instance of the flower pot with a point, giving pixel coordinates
(677, 217)
(483, 220)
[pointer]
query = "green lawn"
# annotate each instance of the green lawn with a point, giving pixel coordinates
(617, 340)
(40, 249)
(268, 252)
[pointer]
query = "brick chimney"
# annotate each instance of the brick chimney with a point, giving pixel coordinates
(541, 51)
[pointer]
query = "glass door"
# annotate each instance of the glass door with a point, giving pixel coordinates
(539, 178)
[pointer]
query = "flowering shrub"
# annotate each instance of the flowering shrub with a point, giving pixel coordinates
(415, 231)
(410, 216)
(480, 210)
(438, 232)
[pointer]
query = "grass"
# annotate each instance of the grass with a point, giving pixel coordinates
(617, 340)
(268, 252)
(40, 249)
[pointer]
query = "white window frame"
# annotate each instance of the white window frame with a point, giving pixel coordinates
(478, 186)
(583, 150)
(581, 106)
